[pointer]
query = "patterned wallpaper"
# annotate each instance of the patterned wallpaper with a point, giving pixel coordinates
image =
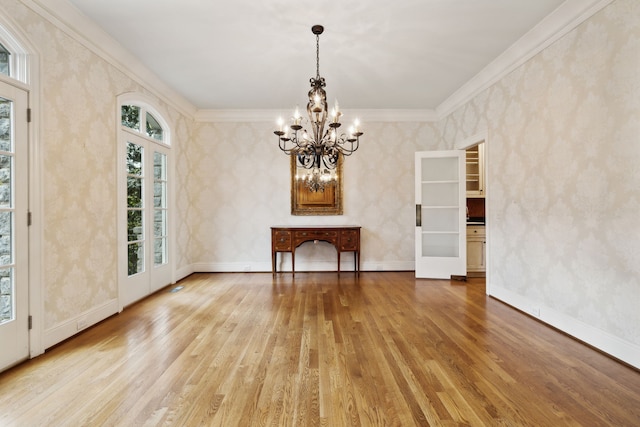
(564, 168)
(563, 158)
(78, 143)
(240, 188)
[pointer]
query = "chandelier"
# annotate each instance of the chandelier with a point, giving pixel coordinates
(319, 150)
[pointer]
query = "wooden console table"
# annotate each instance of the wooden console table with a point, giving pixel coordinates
(287, 239)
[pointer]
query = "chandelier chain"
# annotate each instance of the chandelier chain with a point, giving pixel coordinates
(318, 56)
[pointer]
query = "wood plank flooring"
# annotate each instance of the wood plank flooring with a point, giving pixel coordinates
(381, 349)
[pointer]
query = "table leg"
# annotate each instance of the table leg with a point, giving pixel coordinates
(293, 262)
(274, 256)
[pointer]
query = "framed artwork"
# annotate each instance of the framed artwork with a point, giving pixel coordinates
(323, 201)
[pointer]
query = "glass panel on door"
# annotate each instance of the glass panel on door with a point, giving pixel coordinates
(135, 209)
(14, 236)
(7, 211)
(160, 208)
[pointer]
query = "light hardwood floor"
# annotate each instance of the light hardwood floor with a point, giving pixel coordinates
(383, 349)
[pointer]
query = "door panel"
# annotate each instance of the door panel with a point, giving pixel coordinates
(14, 281)
(147, 215)
(161, 271)
(440, 214)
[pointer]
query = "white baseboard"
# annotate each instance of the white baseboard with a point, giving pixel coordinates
(183, 272)
(620, 349)
(301, 265)
(70, 327)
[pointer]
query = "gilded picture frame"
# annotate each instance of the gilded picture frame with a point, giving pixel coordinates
(307, 202)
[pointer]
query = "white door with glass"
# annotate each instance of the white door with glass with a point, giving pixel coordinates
(144, 255)
(440, 214)
(14, 237)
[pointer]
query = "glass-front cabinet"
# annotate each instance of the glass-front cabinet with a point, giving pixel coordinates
(475, 171)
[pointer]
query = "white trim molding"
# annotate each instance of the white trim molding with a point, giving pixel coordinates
(70, 20)
(76, 25)
(564, 19)
(72, 326)
(284, 266)
(27, 77)
(365, 115)
(623, 350)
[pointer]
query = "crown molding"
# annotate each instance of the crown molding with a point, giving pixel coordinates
(76, 25)
(365, 115)
(71, 21)
(565, 18)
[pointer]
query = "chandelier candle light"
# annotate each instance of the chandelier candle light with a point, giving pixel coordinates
(320, 150)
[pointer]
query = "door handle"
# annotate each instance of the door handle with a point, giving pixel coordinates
(418, 215)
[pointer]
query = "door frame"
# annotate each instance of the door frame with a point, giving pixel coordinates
(27, 78)
(148, 103)
(482, 136)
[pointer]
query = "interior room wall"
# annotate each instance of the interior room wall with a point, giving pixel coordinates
(77, 140)
(240, 187)
(562, 181)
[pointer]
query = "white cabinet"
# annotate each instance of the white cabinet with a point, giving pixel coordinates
(475, 171)
(476, 245)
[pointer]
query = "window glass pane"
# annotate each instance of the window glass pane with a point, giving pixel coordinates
(134, 192)
(6, 295)
(160, 251)
(154, 130)
(159, 194)
(440, 194)
(5, 181)
(134, 158)
(6, 226)
(135, 229)
(440, 244)
(135, 253)
(159, 223)
(5, 125)
(159, 166)
(440, 219)
(440, 169)
(131, 117)
(5, 57)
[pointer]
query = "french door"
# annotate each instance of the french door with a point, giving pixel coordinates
(14, 280)
(440, 214)
(146, 249)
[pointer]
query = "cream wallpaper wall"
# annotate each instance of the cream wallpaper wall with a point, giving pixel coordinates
(78, 142)
(564, 168)
(240, 187)
(563, 156)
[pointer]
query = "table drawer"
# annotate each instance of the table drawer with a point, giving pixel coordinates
(282, 241)
(349, 240)
(315, 234)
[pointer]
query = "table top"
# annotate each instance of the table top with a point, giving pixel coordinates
(314, 226)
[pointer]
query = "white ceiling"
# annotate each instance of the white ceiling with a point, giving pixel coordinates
(260, 54)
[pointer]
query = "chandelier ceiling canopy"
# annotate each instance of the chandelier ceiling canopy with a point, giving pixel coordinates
(319, 149)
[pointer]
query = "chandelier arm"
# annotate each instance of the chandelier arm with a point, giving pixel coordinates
(341, 145)
(295, 146)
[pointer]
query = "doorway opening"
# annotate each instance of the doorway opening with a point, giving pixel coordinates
(476, 149)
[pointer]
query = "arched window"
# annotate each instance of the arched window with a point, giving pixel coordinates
(5, 61)
(144, 259)
(137, 118)
(14, 58)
